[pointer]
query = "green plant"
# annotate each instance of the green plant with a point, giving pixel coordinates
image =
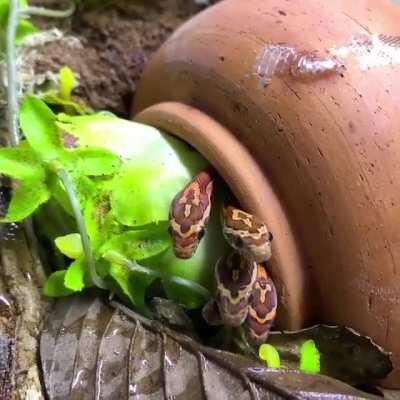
(24, 27)
(114, 179)
(309, 357)
(63, 96)
(118, 189)
(13, 12)
(269, 354)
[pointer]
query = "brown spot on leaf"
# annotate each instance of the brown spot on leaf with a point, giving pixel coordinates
(69, 141)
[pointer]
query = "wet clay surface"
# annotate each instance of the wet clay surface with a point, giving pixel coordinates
(117, 38)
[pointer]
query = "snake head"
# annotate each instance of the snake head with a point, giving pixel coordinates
(262, 307)
(246, 233)
(235, 276)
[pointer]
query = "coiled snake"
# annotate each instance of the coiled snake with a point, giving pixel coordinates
(245, 293)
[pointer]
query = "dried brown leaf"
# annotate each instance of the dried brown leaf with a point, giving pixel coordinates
(92, 349)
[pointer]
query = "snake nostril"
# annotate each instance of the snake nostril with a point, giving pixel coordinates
(270, 236)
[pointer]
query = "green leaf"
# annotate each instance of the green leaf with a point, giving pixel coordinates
(54, 286)
(84, 187)
(38, 125)
(121, 275)
(70, 106)
(170, 161)
(132, 285)
(67, 82)
(95, 213)
(91, 162)
(75, 276)
(103, 268)
(270, 355)
(28, 196)
(177, 281)
(142, 195)
(70, 245)
(24, 29)
(100, 224)
(58, 192)
(309, 357)
(139, 245)
(5, 8)
(138, 143)
(20, 163)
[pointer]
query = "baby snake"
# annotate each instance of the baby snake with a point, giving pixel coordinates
(245, 293)
(189, 214)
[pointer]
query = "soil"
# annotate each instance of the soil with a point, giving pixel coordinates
(117, 38)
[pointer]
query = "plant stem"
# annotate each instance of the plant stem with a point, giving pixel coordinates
(12, 99)
(46, 12)
(117, 258)
(12, 92)
(87, 249)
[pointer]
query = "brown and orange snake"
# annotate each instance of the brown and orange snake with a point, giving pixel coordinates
(245, 293)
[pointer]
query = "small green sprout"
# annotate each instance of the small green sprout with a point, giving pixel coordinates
(67, 82)
(309, 357)
(62, 96)
(270, 355)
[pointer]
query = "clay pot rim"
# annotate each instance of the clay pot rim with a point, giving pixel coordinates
(248, 183)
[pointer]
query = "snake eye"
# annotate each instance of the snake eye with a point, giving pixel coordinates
(270, 236)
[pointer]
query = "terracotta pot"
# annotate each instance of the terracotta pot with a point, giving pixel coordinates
(316, 156)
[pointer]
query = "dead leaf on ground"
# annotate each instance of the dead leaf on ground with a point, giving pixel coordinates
(91, 349)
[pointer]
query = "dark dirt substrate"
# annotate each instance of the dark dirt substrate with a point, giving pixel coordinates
(118, 37)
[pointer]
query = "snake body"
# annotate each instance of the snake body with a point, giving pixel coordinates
(258, 312)
(245, 294)
(189, 214)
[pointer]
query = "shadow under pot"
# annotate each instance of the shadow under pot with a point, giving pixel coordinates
(296, 105)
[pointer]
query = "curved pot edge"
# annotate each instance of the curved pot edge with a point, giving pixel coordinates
(249, 184)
